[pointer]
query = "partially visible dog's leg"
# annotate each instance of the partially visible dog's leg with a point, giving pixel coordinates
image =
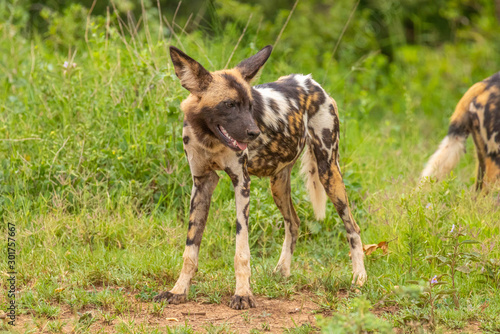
(201, 195)
(281, 189)
(243, 297)
(491, 174)
(481, 159)
(324, 138)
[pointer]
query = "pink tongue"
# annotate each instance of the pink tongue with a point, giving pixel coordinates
(242, 146)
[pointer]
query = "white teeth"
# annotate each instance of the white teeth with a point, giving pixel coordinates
(225, 133)
(232, 141)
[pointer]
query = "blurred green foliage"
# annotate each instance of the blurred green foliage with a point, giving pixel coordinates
(111, 124)
(380, 25)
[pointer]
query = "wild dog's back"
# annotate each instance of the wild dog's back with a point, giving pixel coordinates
(283, 110)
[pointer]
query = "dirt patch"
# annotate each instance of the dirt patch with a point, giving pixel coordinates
(270, 315)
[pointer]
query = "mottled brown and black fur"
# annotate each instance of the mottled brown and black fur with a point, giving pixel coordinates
(477, 114)
(262, 130)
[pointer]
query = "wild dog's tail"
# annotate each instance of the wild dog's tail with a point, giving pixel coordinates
(445, 158)
(316, 191)
(452, 147)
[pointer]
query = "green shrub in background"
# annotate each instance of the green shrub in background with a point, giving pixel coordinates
(358, 319)
(113, 119)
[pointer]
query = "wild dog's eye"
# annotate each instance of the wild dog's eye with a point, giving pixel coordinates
(229, 104)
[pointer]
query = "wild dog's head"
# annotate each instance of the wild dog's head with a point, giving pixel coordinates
(220, 103)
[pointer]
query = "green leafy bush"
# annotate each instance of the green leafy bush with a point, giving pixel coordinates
(358, 319)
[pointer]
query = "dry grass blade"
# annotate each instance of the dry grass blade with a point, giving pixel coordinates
(173, 33)
(87, 26)
(286, 23)
(175, 14)
(196, 43)
(340, 38)
(239, 40)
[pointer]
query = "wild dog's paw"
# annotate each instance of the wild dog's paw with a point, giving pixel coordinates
(359, 278)
(171, 298)
(242, 302)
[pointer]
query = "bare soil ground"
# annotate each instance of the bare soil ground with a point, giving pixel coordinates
(270, 315)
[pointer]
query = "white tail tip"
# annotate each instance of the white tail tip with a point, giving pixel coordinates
(445, 158)
(316, 191)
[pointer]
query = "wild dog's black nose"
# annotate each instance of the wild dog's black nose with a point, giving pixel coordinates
(253, 133)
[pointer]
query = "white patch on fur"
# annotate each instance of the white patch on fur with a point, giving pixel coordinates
(445, 158)
(301, 80)
(314, 186)
(271, 117)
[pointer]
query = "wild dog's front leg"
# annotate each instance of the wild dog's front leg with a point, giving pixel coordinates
(243, 297)
(201, 195)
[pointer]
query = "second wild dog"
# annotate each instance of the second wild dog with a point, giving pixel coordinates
(477, 114)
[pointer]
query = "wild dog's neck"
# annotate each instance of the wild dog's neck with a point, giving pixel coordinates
(195, 119)
(201, 130)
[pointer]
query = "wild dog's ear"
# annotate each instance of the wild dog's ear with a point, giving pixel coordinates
(249, 67)
(194, 77)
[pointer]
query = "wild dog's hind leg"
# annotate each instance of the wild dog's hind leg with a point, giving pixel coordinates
(481, 164)
(334, 185)
(201, 195)
(281, 189)
(492, 173)
(324, 138)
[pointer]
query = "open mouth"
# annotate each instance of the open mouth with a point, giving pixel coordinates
(232, 143)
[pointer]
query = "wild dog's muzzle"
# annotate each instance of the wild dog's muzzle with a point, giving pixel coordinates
(252, 133)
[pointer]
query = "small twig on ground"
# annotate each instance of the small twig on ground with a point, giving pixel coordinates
(193, 313)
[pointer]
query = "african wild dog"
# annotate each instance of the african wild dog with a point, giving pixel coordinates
(261, 130)
(478, 114)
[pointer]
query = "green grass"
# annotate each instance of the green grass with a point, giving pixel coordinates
(94, 177)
